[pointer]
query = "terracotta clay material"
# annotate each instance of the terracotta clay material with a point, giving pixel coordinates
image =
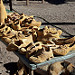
(61, 68)
(61, 41)
(19, 43)
(42, 55)
(64, 49)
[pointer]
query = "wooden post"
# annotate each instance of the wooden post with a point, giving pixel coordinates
(27, 2)
(31, 72)
(43, 1)
(10, 4)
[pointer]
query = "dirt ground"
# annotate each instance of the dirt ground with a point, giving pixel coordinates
(61, 15)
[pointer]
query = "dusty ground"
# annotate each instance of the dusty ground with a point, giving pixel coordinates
(61, 15)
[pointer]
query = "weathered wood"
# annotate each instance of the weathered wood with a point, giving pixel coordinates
(10, 4)
(43, 1)
(27, 2)
(31, 72)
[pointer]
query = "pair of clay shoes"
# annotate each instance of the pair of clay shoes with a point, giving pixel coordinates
(6, 31)
(61, 68)
(47, 34)
(28, 21)
(42, 55)
(21, 41)
(63, 46)
(52, 32)
(32, 48)
(7, 34)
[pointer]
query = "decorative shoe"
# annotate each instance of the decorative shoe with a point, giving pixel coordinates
(35, 23)
(64, 68)
(33, 48)
(61, 41)
(19, 43)
(2, 28)
(30, 49)
(42, 55)
(6, 40)
(9, 38)
(16, 25)
(10, 33)
(22, 18)
(64, 49)
(52, 32)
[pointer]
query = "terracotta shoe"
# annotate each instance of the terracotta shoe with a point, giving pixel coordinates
(71, 69)
(16, 25)
(64, 68)
(6, 30)
(54, 69)
(64, 49)
(2, 28)
(13, 16)
(9, 38)
(35, 23)
(62, 41)
(51, 32)
(10, 33)
(22, 18)
(19, 43)
(24, 50)
(33, 48)
(30, 49)
(42, 55)
(6, 40)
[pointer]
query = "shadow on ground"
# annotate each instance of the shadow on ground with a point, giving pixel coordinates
(60, 23)
(11, 67)
(56, 2)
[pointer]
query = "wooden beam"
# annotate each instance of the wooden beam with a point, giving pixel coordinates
(27, 2)
(10, 4)
(43, 1)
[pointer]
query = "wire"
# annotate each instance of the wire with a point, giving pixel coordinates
(50, 24)
(55, 26)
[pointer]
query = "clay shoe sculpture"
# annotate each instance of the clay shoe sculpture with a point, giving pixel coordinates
(61, 68)
(35, 23)
(64, 49)
(10, 33)
(52, 32)
(16, 25)
(2, 28)
(42, 55)
(61, 41)
(31, 50)
(22, 18)
(19, 43)
(55, 69)
(12, 36)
